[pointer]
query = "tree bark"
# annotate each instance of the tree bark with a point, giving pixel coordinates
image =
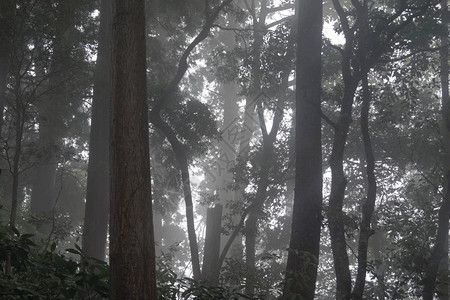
(301, 269)
(368, 204)
(50, 116)
(19, 127)
(132, 252)
(7, 9)
(177, 146)
(211, 268)
(353, 70)
(183, 165)
(439, 254)
(97, 194)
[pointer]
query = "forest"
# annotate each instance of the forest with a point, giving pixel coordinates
(224, 149)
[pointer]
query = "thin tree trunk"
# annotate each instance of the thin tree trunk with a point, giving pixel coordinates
(337, 194)
(251, 225)
(439, 253)
(132, 250)
(97, 194)
(368, 204)
(301, 268)
(177, 146)
(183, 164)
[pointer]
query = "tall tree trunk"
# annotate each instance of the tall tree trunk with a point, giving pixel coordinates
(211, 268)
(43, 193)
(7, 9)
(336, 202)
(221, 178)
(439, 253)
(177, 146)
(19, 126)
(227, 152)
(301, 269)
(183, 165)
(97, 194)
(51, 123)
(249, 126)
(132, 250)
(368, 204)
(251, 225)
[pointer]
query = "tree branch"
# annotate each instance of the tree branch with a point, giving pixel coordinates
(183, 62)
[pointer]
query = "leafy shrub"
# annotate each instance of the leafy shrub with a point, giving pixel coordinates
(37, 274)
(48, 274)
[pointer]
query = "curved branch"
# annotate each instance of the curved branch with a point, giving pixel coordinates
(183, 62)
(182, 161)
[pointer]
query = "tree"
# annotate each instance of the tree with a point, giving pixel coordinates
(60, 64)
(132, 253)
(301, 269)
(178, 147)
(7, 10)
(362, 50)
(97, 193)
(439, 254)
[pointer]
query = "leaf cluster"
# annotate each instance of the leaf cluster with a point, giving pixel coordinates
(48, 274)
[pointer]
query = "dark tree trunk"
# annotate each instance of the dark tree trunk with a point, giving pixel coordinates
(211, 268)
(132, 251)
(368, 204)
(439, 253)
(336, 202)
(183, 165)
(7, 9)
(301, 269)
(353, 70)
(177, 146)
(97, 194)
(19, 126)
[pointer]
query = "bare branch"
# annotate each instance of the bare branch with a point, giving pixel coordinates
(280, 8)
(280, 21)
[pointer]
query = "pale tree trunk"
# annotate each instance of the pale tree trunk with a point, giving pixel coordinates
(377, 244)
(227, 147)
(301, 269)
(51, 123)
(436, 276)
(97, 194)
(43, 193)
(220, 178)
(132, 251)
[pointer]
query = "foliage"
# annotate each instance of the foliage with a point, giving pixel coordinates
(51, 275)
(48, 274)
